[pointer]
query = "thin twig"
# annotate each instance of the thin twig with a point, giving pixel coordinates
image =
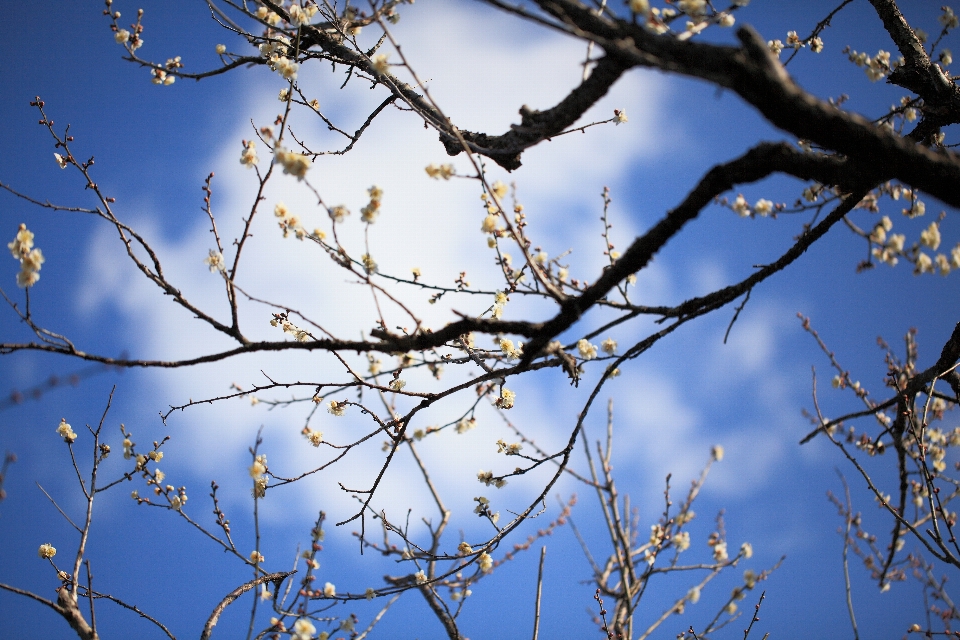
(536, 612)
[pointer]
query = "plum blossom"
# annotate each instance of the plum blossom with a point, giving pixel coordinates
(22, 249)
(303, 629)
(249, 157)
(295, 164)
(445, 171)
(587, 351)
(66, 432)
(215, 261)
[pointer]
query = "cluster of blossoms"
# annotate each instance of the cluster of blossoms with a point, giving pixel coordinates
(794, 41)
(249, 157)
(369, 213)
(510, 351)
(176, 497)
(876, 67)
(486, 477)
(132, 41)
(301, 335)
(128, 445)
(940, 263)
(313, 436)
(301, 15)
(499, 302)
(275, 51)
(294, 164)
(445, 171)
(288, 222)
(507, 399)
(66, 432)
(658, 535)
(509, 449)
(888, 246)
(179, 499)
(258, 471)
(337, 408)
(880, 230)
(489, 224)
(930, 237)
(466, 424)
(30, 258)
(483, 509)
(742, 208)
(287, 68)
(917, 209)
(369, 264)
(46, 551)
(937, 444)
(164, 76)
(485, 562)
(657, 19)
(948, 18)
(269, 17)
(910, 114)
(762, 208)
(124, 37)
(719, 550)
(587, 351)
(946, 57)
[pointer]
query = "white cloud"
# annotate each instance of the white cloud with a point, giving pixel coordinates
(428, 224)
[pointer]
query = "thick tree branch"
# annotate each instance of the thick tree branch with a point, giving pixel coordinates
(537, 126)
(389, 343)
(758, 163)
(505, 149)
(941, 96)
(755, 74)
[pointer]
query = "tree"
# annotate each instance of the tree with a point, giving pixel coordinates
(401, 374)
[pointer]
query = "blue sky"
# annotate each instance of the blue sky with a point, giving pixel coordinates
(155, 145)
